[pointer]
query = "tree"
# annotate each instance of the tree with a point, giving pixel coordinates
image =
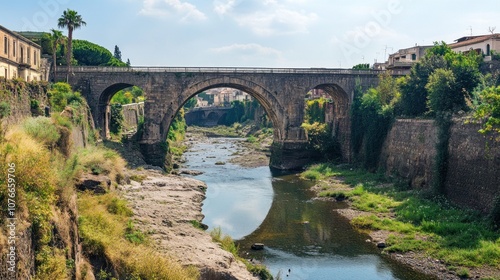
(117, 54)
(442, 94)
(72, 20)
(56, 39)
(90, 54)
(465, 69)
(489, 110)
(362, 66)
(128, 62)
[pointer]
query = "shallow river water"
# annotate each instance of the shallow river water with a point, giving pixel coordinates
(304, 238)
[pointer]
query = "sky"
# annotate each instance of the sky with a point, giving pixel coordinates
(259, 33)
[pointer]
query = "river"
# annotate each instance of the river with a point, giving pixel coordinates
(304, 238)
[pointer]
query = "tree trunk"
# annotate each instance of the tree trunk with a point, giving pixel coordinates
(54, 63)
(70, 52)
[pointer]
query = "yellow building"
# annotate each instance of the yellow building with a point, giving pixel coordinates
(19, 57)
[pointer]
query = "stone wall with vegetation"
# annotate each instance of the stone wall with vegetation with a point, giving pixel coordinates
(474, 160)
(22, 99)
(473, 176)
(409, 151)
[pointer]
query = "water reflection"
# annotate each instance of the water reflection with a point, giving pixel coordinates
(238, 199)
(301, 234)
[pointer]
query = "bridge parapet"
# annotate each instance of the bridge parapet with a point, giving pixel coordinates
(242, 70)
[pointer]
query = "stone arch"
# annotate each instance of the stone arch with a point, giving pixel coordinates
(104, 108)
(338, 119)
(267, 100)
(340, 98)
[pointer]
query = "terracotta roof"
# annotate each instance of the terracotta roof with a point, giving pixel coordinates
(473, 40)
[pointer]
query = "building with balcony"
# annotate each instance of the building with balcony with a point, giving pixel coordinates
(405, 58)
(19, 57)
(482, 44)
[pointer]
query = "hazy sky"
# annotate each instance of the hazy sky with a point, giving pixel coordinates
(260, 33)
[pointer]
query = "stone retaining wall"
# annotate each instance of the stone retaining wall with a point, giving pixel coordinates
(473, 178)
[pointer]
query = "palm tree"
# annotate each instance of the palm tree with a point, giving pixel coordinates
(56, 38)
(72, 20)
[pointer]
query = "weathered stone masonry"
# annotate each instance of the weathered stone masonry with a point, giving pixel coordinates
(281, 92)
(473, 178)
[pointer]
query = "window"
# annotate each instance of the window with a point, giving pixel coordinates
(5, 45)
(14, 47)
(414, 56)
(34, 57)
(29, 55)
(22, 54)
(488, 50)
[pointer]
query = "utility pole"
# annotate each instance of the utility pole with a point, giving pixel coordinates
(385, 51)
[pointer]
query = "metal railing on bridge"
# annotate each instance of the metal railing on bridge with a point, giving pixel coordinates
(147, 69)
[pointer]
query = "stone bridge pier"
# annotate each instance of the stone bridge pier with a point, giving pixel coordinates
(281, 92)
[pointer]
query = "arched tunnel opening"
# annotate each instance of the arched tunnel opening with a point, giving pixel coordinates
(326, 121)
(221, 112)
(121, 107)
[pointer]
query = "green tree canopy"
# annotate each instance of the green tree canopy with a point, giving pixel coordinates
(414, 89)
(89, 54)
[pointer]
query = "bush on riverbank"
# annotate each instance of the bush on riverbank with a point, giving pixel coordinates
(440, 230)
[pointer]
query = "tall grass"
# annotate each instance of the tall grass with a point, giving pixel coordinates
(99, 160)
(106, 232)
(37, 181)
(42, 129)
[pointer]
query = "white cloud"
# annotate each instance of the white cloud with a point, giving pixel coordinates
(280, 21)
(222, 8)
(247, 50)
(268, 17)
(164, 8)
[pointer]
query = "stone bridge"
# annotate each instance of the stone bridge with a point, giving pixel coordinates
(206, 116)
(281, 92)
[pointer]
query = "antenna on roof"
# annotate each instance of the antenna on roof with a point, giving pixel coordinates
(470, 28)
(491, 29)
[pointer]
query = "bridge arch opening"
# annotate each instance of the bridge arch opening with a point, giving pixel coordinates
(266, 99)
(225, 104)
(326, 120)
(121, 106)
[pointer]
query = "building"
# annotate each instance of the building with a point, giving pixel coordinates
(482, 44)
(19, 57)
(405, 58)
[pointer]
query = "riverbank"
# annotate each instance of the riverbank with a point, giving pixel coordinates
(434, 238)
(168, 209)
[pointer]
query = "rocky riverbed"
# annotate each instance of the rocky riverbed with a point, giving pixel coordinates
(166, 207)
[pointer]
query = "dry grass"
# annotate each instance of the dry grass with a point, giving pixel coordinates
(99, 160)
(36, 183)
(103, 233)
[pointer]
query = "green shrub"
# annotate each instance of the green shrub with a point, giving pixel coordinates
(61, 95)
(119, 206)
(42, 129)
(117, 118)
(4, 109)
